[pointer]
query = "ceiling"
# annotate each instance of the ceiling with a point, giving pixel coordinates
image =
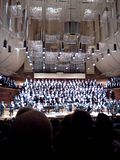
(55, 31)
(59, 35)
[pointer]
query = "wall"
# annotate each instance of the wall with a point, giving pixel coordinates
(7, 94)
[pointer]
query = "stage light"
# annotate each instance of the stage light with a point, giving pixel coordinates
(27, 49)
(115, 47)
(108, 52)
(92, 51)
(44, 45)
(9, 48)
(5, 43)
(18, 2)
(25, 44)
(62, 47)
(80, 47)
(97, 47)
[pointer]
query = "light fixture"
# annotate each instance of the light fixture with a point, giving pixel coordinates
(28, 56)
(9, 48)
(43, 65)
(97, 47)
(97, 59)
(84, 48)
(102, 57)
(80, 47)
(59, 56)
(25, 44)
(62, 46)
(92, 51)
(73, 56)
(108, 52)
(88, 57)
(27, 49)
(43, 52)
(5, 43)
(43, 45)
(115, 47)
(18, 3)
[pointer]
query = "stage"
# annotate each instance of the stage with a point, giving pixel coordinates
(51, 115)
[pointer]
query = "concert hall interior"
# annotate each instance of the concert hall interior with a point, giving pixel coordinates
(60, 77)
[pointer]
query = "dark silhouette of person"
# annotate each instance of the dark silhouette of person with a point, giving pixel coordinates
(112, 94)
(2, 107)
(23, 110)
(31, 135)
(74, 140)
(103, 136)
(11, 108)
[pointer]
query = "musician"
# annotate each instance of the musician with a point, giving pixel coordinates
(11, 108)
(2, 106)
(112, 94)
(39, 106)
(89, 109)
(56, 107)
(36, 99)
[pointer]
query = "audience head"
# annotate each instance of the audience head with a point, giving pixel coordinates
(103, 121)
(31, 129)
(81, 122)
(23, 110)
(65, 123)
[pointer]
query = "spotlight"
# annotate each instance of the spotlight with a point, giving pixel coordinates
(43, 45)
(25, 44)
(5, 43)
(88, 57)
(18, 2)
(9, 48)
(62, 47)
(97, 47)
(92, 50)
(108, 52)
(26, 49)
(80, 47)
(102, 57)
(115, 47)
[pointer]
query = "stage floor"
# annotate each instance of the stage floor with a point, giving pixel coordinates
(49, 115)
(52, 114)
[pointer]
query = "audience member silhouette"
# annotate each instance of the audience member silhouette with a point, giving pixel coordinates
(31, 134)
(23, 110)
(75, 141)
(103, 136)
(56, 126)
